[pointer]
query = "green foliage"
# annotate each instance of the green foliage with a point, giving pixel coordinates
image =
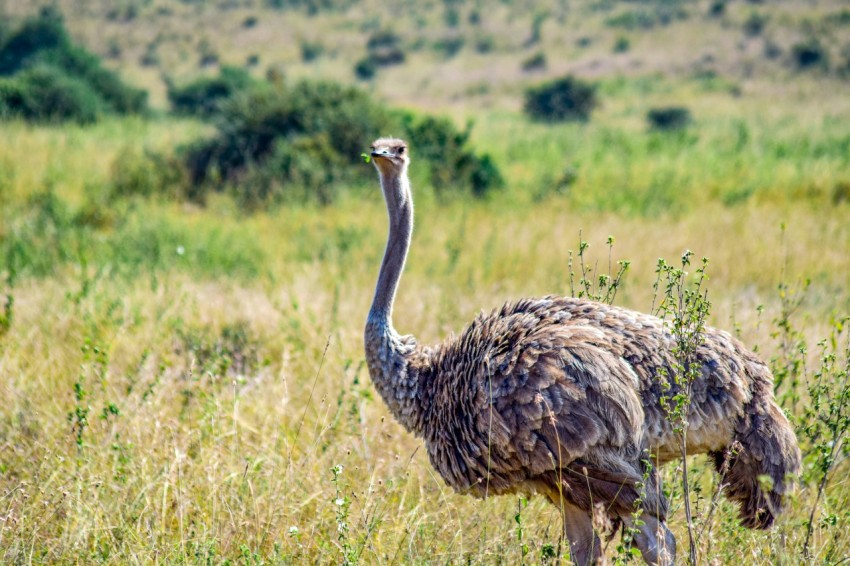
(302, 143)
(622, 44)
(312, 7)
(202, 96)
(310, 167)
(717, 8)
(365, 69)
(45, 93)
(594, 283)
(117, 96)
(51, 79)
(668, 118)
(327, 122)
(8, 297)
(449, 46)
(809, 54)
(647, 18)
(349, 550)
(535, 62)
(754, 24)
(385, 48)
(43, 33)
(310, 51)
(686, 308)
(452, 166)
(826, 417)
(147, 173)
(563, 99)
(46, 234)
(523, 546)
(823, 420)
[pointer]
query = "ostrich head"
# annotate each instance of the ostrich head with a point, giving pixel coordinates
(390, 156)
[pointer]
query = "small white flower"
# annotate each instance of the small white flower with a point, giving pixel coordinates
(293, 531)
(181, 250)
(339, 501)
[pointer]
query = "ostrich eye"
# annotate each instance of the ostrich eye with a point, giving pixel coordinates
(401, 150)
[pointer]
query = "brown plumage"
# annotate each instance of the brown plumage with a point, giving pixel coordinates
(562, 397)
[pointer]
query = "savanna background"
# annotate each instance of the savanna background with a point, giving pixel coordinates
(189, 240)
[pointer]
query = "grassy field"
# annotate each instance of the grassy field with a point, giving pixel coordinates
(186, 384)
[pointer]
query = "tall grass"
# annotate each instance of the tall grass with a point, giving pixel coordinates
(186, 384)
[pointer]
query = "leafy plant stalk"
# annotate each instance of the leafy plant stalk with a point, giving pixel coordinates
(685, 309)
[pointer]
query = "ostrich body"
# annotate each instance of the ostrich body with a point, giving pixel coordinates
(563, 397)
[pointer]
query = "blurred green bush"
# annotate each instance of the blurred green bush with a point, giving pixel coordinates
(302, 143)
(668, 118)
(809, 54)
(567, 98)
(46, 93)
(48, 78)
(202, 96)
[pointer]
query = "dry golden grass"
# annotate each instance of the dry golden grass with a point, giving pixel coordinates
(166, 410)
(237, 397)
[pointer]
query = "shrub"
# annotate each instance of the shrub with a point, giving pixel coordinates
(117, 96)
(365, 69)
(535, 62)
(449, 46)
(754, 24)
(253, 125)
(809, 54)
(146, 173)
(669, 118)
(451, 16)
(46, 94)
(385, 48)
(42, 33)
(485, 44)
(304, 169)
(43, 42)
(717, 8)
(622, 44)
(452, 166)
(150, 58)
(563, 99)
(310, 51)
(634, 20)
(303, 143)
(772, 50)
(202, 96)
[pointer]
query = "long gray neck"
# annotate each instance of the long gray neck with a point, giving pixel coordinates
(391, 357)
(400, 209)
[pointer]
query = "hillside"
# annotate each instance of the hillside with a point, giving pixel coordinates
(464, 54)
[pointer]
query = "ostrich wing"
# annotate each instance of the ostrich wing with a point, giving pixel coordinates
(528, 390)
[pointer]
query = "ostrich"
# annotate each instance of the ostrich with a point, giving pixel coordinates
(563, 397)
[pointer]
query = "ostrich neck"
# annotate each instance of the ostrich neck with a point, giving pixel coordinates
(390, 357)
(400, 209)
